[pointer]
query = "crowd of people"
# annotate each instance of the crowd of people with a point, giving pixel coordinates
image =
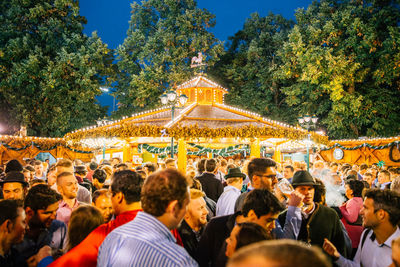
(221, 212)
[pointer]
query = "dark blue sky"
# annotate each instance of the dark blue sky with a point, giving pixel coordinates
(111, 18)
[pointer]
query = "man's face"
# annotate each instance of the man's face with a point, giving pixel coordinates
(197, 211)
(382, 178)
(27, 176)
(52, 178)
(334, 168)
(68, 187)
(13, 191)
(44, 217)
(19, 227)
(171, 165)
(39, 169)
(266, 221)
(368, 213)
(368, 179)
(395, 256)
(287, 173)
(308, 192)
(231, 241)
(266, 180)
(104, 204)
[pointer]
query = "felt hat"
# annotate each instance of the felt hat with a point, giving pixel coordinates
(80, 169)
(235, 173)
(302, 178)
(13, 165)
(14, 177)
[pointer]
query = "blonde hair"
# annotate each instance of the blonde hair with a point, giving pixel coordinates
(195, 193)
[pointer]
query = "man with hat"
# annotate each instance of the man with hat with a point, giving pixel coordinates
(227, 200)
(318, 221)
(14, 186)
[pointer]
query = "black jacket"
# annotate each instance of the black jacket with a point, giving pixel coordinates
(210, 185)
(322, 223)
(189, 239)
(213, 239)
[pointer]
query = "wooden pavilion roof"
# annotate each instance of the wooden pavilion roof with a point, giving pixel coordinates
(205, 115)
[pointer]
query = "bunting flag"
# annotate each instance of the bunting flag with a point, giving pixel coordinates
(395, 143)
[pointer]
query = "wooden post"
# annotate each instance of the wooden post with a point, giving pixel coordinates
(126, 153)
(255, 149)
(182, 157)
(277, 155)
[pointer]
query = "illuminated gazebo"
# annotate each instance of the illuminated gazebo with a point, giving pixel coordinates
(203, 125)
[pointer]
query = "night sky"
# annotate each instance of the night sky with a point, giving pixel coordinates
(111, 18)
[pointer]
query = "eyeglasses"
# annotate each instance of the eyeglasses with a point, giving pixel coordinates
(271, 176)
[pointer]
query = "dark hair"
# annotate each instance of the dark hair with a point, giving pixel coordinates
(386, 200)
(289, 167)
(37, 162)
(83, 221)
(356, 186)
(363, 166)
(334, 164)
(100, 175)
(122, 165)
(386, 173)
(150, 166)
(250, 233)
(262, 202)
(259, 165)
(350, 177)
(63, 174)
(162, 187)
(40, 197)
(34, 182)
(201, 166)
(30, 168)
(210, 165)
(98, 193)
(319, 191)
(9, 210)
(129, 183)
(93, 165)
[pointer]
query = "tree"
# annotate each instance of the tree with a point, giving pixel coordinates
(250, 63)
(342, 59)
(162, 37)
(50, 72)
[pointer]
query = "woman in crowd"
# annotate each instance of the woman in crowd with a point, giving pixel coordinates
(351, 211)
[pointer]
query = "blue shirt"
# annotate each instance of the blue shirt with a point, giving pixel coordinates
(145, 241)
(227, 200)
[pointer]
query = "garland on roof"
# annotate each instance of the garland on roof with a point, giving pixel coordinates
(129, 129)
(42, 145)
(224, 152)
(337, 145)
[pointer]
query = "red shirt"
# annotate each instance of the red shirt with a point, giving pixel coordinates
(85, 254)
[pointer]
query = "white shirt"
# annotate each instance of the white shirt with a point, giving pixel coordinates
(372, 254)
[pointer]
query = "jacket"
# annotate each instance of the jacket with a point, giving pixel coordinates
(322, 223)
(189, 238)
(210, 185)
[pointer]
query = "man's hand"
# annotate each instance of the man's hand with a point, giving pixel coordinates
(296, 199)
(44, 252)
(31, 262)
(330, 249)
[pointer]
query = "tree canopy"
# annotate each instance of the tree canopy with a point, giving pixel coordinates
(50, 72)
(342, 59)
(162, 37)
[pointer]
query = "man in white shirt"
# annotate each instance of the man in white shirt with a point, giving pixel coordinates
(381, 214)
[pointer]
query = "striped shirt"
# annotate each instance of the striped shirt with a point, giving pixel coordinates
(145, 241)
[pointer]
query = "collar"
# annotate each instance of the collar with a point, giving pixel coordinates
(154, 224)
(64, 204)
(306, 215)
(388, 241)
(230, 188)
